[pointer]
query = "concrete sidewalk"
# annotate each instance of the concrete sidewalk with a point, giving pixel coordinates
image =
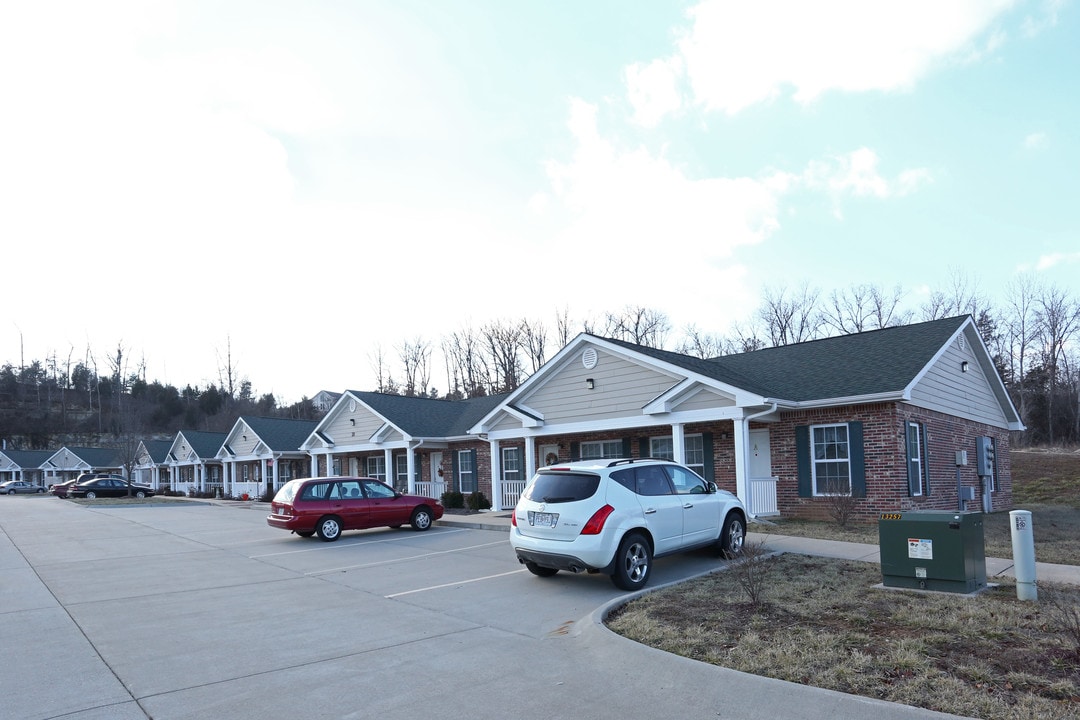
(995, 567)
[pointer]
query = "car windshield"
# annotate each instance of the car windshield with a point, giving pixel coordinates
(560, 487)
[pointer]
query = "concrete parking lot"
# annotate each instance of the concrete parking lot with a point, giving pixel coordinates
(193, 610)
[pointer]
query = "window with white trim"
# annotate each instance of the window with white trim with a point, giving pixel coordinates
(601, 449)
(693, 451)
(336, 472)
(830, 460)
(662, 447)
(511, 464)
(376, 467)
(466, 471)
(401, 470)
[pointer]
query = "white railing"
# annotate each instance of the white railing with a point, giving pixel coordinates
(763, 497)
(431, 489)
(511, 493)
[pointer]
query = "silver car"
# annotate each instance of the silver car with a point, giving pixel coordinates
(20, 486)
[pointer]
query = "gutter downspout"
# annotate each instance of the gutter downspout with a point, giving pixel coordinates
(742, 451)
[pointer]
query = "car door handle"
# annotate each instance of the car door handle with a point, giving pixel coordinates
(650, 511)
(688, 505)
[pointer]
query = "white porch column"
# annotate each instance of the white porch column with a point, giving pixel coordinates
(742, 455)
(496, 475)
(388, 463)
(678, 442)
(410, 468)
(530, 457)
(277, 473)
(329, 464)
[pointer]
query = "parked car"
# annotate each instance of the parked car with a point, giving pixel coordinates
(19, 486)
(326, 506)
(616, 516)
(109, 486)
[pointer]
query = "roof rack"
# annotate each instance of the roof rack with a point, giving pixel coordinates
(630, 461)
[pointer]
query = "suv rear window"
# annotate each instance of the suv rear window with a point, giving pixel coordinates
(560, 487)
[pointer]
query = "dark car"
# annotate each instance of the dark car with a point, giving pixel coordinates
(109, 487)
(326, 506)
(19, 486)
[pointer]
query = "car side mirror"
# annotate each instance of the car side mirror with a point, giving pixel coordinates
(713, 488)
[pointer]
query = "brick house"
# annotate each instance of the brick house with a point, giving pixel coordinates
(421, 445)
(878, 420)
(261, 454)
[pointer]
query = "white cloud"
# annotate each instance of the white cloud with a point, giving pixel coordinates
(740, 54)
(1035, 141)
(856, 173)
(1046, 262)
(653, 89)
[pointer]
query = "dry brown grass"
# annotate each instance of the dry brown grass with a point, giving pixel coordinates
(824, 624)
(821, 622)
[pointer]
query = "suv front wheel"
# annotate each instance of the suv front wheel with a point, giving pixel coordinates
(633, 562)
(732, 536)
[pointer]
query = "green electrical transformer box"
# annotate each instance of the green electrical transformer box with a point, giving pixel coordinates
(933, 550)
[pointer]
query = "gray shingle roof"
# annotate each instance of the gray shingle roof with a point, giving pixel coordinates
(867, 363)
(27, 459)
(424, 417)
(158, 449)
(205, 444)
(281, 434)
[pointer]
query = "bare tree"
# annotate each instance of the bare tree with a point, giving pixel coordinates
(791, 319)
(562, 326)
(639, 325)
(864, 307)
(704, 345)
(1021, 330)
(503, 343)
(228, 377)
(415, 359)
(465, 367)
(963, 298)
(1059, 323)
(534, 342)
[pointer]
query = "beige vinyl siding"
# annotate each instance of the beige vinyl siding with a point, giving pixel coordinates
(344, 432)
(243, 447)
(622, 389)
(704, 399)
(507, 422)
(968, 395)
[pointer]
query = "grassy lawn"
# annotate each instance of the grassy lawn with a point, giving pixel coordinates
(821, 622)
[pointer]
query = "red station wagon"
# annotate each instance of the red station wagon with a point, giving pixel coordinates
(326, 506)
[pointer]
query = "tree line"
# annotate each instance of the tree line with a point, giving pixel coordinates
(1032, 333)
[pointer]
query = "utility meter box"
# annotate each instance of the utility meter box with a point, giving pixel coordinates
(933, 550)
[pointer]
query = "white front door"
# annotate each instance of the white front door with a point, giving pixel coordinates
(436, 465)
(760, 456)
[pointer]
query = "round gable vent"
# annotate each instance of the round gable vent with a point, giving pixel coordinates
(589, 358)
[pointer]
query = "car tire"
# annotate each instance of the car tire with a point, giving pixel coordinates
(140, 494)
(40, 490)
(421, 518)
(305, 533)
(732, 536)
(633, 562)
(91, 495)
(329, 528)
(540, 570)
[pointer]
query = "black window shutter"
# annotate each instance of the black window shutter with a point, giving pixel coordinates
(455, 476)
(575, 451)
(707, 451)
(802, 460)
(858, 459)
(925, 444)
(628, 447)
(475, 480)
(643, 447)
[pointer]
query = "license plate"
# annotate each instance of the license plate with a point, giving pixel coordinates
(543, 519)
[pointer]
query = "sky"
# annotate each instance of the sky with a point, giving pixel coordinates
(304, 185)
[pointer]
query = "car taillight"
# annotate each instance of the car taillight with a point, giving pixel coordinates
(596, 522)
(513, 518)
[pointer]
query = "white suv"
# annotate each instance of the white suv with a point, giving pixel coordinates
(615, 516)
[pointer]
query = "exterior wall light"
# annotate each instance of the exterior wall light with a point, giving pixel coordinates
(964, 366)
(589, 384)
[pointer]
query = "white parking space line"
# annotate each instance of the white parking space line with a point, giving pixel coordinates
(342, 546)
(403, 559)
(452, 584)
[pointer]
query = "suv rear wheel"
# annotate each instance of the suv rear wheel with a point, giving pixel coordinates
(633, 562)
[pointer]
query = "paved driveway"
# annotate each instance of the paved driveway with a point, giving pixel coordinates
(196, 611)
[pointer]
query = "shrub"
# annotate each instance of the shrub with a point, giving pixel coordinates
(453, 499)
(477, 501)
